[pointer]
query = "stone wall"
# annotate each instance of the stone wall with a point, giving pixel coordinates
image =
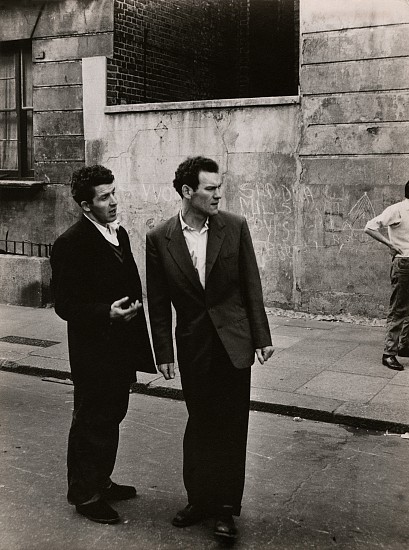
(254, 142)
(354, 150)
(25, 281)
(62, 33)
(307, 171)
(306, 175)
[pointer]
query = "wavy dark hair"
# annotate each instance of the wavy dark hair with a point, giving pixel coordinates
(84, 181)
(187, 172)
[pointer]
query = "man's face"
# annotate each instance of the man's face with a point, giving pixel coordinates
(102, 209)
(205, 200)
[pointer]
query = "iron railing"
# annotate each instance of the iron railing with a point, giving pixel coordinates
(24, 248)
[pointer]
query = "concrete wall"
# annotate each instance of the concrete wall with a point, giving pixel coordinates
(255, 146)
(354, 150)
(25, 281)
(307, 172)
(306, 175)
(63, 32)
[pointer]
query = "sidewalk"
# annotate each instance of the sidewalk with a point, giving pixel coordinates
(323, 370)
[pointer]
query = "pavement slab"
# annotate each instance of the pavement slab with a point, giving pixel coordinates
(279, 377)
(364, 360)
(321, 369)
(401, 378)
(282, 341)
(393, 394)
(348, 333)
(344, 386)
(59, 351)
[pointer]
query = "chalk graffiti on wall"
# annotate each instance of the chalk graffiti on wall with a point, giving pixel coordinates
(269, 210)
(351, 230)
(329, 224)
(280, 217)
(327, 220)
(156, 193)
(138, 214)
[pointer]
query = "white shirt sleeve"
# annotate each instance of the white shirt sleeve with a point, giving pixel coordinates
(390, 216)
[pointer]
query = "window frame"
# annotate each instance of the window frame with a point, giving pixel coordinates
(24, 168)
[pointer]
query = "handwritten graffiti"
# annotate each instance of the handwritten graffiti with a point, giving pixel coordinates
(347, 229)
(324, 219)
(269, 210)
(157, 193)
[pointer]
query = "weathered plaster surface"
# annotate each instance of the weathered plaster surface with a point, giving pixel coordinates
(306, 172)
(26, 280)
(354, 150)
(255, 147)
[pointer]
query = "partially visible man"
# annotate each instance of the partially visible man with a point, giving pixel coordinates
(396, 219)
(202, 261)
(98, 292)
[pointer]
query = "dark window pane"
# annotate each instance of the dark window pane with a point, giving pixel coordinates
(8, 141)
(272, 48)
(197, 49)
(7, 80)
(16, 127)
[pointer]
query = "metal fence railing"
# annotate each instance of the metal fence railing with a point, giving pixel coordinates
(24, 248)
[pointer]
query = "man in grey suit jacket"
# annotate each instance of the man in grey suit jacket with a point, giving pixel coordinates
(202, 261)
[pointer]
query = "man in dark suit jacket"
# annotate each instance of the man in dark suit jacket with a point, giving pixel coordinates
(202, 261)
(98, 292)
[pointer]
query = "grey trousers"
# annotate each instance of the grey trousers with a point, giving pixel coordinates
(397, 327)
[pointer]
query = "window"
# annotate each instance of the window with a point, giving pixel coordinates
(183, 50)
(273, 48)
(16, 111)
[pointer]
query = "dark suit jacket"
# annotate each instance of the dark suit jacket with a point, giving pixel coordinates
(87, 278)
(232, 302)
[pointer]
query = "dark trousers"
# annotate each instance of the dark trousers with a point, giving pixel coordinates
(215, 440)
(94, 435)
(397, 327)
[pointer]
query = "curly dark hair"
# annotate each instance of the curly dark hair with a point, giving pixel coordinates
(187, 172)
(85, 179)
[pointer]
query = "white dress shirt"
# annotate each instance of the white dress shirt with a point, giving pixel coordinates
(396, 219)
(196, 243)
(108, 232)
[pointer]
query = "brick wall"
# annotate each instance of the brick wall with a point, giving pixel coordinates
(180, 50)
(174, 50)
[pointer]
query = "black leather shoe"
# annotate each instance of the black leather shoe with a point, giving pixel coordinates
(118, 492)
(391, 362)
(99, 511)
(224, 527)
(403, 352)
(190, 515)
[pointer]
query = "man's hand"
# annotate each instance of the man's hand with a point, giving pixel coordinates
(123, 310)
(263, 354)
(393, 250)
(168, 370)
(377, 235)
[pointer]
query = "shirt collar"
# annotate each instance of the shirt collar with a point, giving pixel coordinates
(111, 227)
(188, 228)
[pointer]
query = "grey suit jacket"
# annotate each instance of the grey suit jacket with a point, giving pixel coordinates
(231, 303)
